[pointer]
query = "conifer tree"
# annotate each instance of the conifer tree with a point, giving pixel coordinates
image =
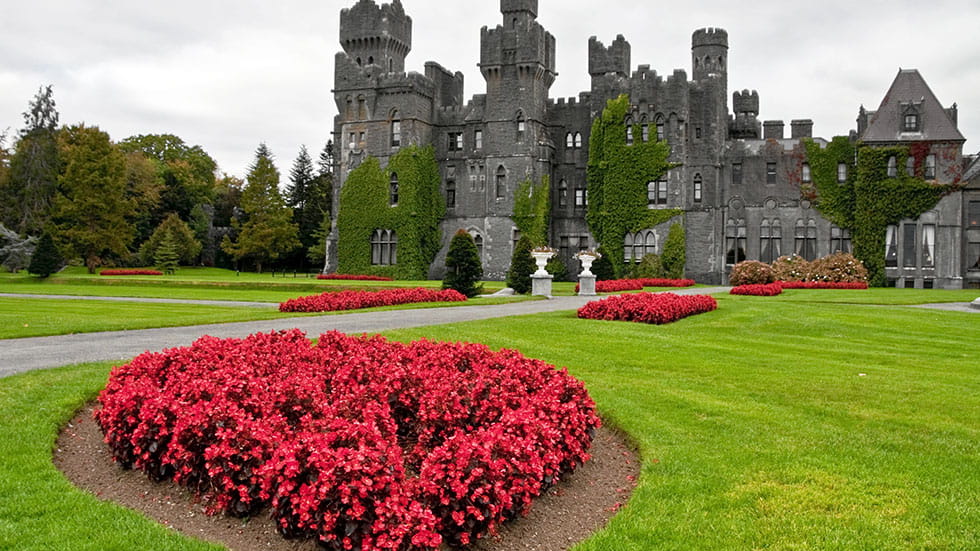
(176, 230)
(167, 257)
(34, 167)
(521, 266)
(268, 232)
(45, 260)
(463, 266)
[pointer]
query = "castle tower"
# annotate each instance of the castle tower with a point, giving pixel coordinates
(746, 123)
(377, 35)
(709, 55)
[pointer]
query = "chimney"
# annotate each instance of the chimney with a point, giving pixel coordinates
(802, 128)
(773, 130)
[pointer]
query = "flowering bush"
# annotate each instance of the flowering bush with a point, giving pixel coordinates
(660, 282)
(130, 272)
(823, 284)
(751, 272)
(791, 268)
(354, 277)
(658, 308)
(353, 300)
(360, 442)
(758, 289)
(838, 267)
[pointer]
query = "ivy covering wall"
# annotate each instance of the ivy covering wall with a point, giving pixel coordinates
(870, 200)
(617, 181)
(532, 208)
(365, 206)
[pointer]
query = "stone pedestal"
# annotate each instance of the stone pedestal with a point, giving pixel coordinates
(541, 285)
(586, 285)
(976, 304)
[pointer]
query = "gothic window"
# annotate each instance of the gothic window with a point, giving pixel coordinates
(806, 239)
(770, 237)
(698, 185)
(391, 65)
(840, 240)
(805, 174)
(910, 167)
(396, 130)
(657, 193)
(358, 61)
(930, 171)
(629, 131)
(771, 173)
(393, 190)
(661, 134)
(478, 139)
(521, 127)
(384, 248)
(892, 167)
(891, 246)
(569, 141)
(928, 245)
(501, 182)
(450, 194)
(736, 174)
(370, 60)
(908, 245)
(649, 243)
(478, 240)
(735, 241)
(645, 132)
(841, 173)
(578, 140)
(455, 142)
(482, 169)
(563, 193)
(361, 109)
(628, 248)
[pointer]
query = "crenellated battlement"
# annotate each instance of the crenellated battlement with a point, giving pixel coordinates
(614, 59)
(710, 36)
(746, 102)
(512, 6)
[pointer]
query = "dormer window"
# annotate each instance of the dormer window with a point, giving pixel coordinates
(911, 122)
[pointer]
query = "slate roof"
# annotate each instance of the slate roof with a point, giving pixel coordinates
(910, 87)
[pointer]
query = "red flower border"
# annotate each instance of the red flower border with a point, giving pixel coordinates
(655, 308)
(354, 300)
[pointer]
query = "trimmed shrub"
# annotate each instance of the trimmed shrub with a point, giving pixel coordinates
(758, 289)
(650, 267)
(751, 272)
(358, 442)
(557, 269)
(463, 267)
(655, 308)
(354, 300)
(790, 268)
(675, 252)
(521, 266)
(602, 267)
(45, 260)
(838, 267)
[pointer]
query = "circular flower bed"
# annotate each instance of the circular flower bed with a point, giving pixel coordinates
(357, 441)
(656, 308)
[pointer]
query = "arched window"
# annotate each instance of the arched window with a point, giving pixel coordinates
(770, 241)
(391, 65)
(384, 248)
(450, 194)
(393, 190)
(661, 129)
(805, 176)
(806, 239)
(358, 61)
(698, 188)
(478, 240)
(840, 240)
(371, 60)
(649, 243)
(892, 167)
(628, 248)
(578, 140)
(735, 241)
(841, 173)
(910, 166)
(396, 130)
(891, 246)
(569, 141)
(501, 182)
(361, 108)
(521, 127)
(629, 130)
(562, 193)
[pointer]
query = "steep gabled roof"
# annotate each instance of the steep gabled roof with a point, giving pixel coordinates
(910, 88)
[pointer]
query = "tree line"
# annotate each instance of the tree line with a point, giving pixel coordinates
(152, 200)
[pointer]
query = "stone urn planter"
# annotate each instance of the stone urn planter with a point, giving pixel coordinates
(541, 257)
(586, 258)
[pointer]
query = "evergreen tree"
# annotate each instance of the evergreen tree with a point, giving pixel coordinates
(91, 211)
(602, 267)
(45, 260)
(463, 267)
(267, 232)
(675, 252)
(318, 211)
(179, 233)
(15, 251)
(521, 266)
(35, 165)
(167, 257)
(201, 223)
(298, 197)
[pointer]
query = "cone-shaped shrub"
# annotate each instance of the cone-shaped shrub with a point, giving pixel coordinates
(463, 267)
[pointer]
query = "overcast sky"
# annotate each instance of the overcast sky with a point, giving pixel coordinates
(228, 75)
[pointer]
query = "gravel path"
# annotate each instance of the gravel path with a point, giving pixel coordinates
(20, 355)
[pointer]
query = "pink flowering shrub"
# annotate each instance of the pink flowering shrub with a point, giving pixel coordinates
(354, 277)
(657, 308)
(758, 290)
(353, 300)
(751, 272)
(130, 272)
(823, 284)
(791, 268)
(357, 441)
(838, 267)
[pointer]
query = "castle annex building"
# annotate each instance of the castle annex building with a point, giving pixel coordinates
(739, 179)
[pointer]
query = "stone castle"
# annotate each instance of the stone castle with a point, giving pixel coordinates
(738, 182)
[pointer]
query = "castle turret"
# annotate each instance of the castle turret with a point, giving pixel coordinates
(709, 53)
(745, 124)
(377, 35)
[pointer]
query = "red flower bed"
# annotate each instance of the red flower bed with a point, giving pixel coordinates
(658, 282)
(823, 284)
(354, 277)
(353, 300)
(758, 289)
(658, 308)
(357, 441)
(130, 272)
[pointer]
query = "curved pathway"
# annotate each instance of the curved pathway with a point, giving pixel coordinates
(20, 355)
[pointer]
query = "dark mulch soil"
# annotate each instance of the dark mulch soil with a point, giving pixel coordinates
(568, 513)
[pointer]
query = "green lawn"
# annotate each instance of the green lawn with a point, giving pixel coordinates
(801, 422)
